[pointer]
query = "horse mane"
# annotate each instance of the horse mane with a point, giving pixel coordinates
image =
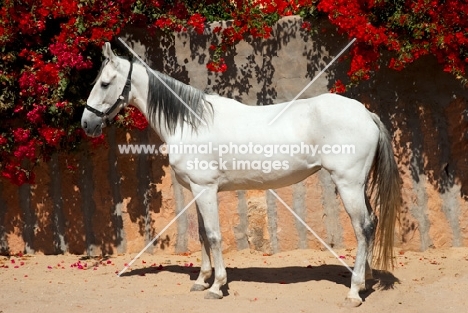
(163, 103)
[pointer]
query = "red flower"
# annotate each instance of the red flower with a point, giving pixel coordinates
(219, 66)
(3, 140)
(26, 25)
(138, 120)
(48, 74)
(52, 135)
(100, 35)
(61, 105)
(163, 23)
(338, 87)
(68, 7)
(27, 81)
(71, 168)
(197, 21)
(18, 176)
(36, 114)
(26, 151)
(307, 26)
(69, 57)
(21, 134)
(97, 141)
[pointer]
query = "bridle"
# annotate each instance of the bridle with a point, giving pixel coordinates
(121, 100)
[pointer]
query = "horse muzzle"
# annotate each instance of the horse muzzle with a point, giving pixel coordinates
(92, 125)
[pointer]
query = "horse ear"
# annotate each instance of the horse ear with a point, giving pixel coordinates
(107, 51)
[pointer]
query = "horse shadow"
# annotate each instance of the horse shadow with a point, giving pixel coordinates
(383, 280)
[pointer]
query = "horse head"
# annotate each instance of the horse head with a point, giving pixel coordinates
(111, 93)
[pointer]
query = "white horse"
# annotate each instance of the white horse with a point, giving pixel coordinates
(249, 152)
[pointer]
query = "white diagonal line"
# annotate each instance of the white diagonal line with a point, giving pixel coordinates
(310, 229)
(160, 233)
(313, 80)
(160, 79)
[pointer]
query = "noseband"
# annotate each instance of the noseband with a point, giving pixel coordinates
(121, 100)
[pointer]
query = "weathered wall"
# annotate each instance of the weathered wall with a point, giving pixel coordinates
(114, 203)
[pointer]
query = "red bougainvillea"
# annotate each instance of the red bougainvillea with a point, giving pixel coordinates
(217, 66)
(43, 48)
(48, 49)
(52, 136)
(132, 118)
(338, 87)
(408, 29)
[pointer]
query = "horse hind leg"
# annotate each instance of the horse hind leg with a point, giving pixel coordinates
(354, 200)
(370, 237)
(205, 268)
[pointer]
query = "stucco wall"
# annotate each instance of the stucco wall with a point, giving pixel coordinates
(114, 203)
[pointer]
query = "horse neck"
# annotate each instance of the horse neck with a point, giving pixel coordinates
(161, 131)
(174, 109)
(140, 96)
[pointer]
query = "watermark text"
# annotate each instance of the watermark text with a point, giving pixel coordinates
(233, 149)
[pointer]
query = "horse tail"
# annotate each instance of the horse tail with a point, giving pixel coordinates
(386, 188)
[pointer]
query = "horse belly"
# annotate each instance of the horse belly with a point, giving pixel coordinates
(264, 178)
(239, 172)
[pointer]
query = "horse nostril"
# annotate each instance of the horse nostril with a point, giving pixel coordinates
(85, 124)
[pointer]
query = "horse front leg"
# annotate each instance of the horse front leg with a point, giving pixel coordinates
(207, 204)
(205, 268)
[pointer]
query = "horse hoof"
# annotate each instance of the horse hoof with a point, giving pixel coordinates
(197, 287)
(212, 295)
(352, 302)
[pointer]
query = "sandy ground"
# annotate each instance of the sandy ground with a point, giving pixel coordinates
(294, 281)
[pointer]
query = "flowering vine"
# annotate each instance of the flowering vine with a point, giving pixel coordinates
(44, 45)
(49, 50)
(408, 29)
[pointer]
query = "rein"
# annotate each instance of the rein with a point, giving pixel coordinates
(121, 100)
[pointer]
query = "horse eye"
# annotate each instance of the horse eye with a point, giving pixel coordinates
(104, 85)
